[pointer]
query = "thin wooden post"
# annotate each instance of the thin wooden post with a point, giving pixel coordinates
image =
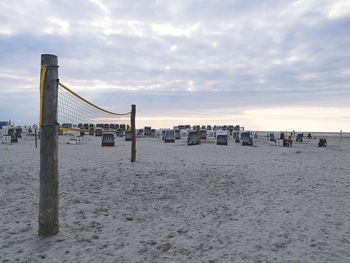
(36, 138)
(133, 133)
(341, 135)
(48, 201)
(198, 134)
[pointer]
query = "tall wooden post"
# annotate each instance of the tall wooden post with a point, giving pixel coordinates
(133, 133)
(48, 202)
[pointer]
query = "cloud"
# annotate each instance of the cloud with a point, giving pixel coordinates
(339, 9)
(174, 55)
(177, 31)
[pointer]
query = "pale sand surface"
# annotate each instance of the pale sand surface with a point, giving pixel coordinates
(181, 203)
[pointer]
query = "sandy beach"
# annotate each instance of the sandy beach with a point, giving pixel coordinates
(180, 203)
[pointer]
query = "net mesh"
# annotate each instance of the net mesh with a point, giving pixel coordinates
(76, 113)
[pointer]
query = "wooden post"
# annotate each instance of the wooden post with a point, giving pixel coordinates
(48, 201)
(133, 133)
(36, 138)
(341, 135)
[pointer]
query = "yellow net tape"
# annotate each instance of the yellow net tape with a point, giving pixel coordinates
(42, 82)
(74, 129)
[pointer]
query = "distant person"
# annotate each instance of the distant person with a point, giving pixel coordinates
(282, 136)
(322, 142)
(237, 139)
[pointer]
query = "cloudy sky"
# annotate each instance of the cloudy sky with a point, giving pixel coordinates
(267, 65)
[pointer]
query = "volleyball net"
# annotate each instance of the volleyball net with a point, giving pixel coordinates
(77, 113)
(74, 113)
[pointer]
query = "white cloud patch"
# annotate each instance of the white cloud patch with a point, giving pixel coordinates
(175, 30)
(101, 6)
(56, 26)
(339, 9)
(108, 26)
